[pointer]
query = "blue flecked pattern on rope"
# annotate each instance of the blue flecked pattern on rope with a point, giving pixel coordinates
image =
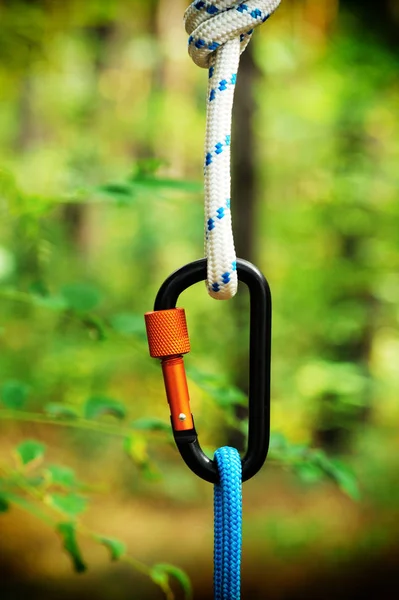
(228, 525)
(219, 31)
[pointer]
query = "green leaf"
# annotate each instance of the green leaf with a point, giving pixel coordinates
(159, 577)
(4, 504)
(96, 327)
(129, 324)
(70, 504)
(135, 446)
(147, 166)
(122, 193)
(345, 479)
(228, 396)
(298, 451)
(68, 535)
(56, 410)
(287, 454)
(116, 189)
(168, 184)
(61, 476)
(57, 303)
(14, 393)
(81, 297)
(30, 451)
(150, 424)
(278, 441)
(224, 394)
(96, 406)
(38, 288)
(161, 572)
(116, 547)
(308, 472)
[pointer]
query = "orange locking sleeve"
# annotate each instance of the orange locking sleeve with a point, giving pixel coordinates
(167, 332)
(168, 339)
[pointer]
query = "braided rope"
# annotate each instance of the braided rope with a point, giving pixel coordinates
(228, 518)
(219, 31)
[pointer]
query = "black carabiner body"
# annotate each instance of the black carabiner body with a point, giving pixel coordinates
(259, 368)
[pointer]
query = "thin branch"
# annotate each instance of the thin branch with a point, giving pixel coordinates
(38, 496)
(17, 415)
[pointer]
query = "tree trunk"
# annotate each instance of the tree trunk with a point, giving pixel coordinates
(77, 217)
(380, 19)
(243, 210)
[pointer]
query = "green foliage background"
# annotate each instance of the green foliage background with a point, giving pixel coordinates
(101, 135)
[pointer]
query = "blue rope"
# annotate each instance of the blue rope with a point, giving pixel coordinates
(228, 521)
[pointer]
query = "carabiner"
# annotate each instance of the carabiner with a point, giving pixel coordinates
(168, 340)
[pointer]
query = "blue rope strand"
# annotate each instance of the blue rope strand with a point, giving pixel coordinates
(228, 521)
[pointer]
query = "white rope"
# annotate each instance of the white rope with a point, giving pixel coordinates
(219, 31)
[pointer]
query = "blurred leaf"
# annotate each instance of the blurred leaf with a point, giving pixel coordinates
(57, 303)
(116, 547)
(308, 472)
(278, 441)
(96, 406)
(4, 504)
(225, 395)
(14, 393)
(147, 166)
(228, 396)
(150, 424)
(161, 572)
(62, 476)
(70, 504)
(116, 189)
(34, 480)
(345, 479)
(122, 194)
(38, 288)
(156, 183)
(30, 451)
(320, 377)
(129, 324)
(159, 577)
(311, 465)
(140, 183)
(68, 534)
(96, 327)
(81, 297)
(144, 175)
(60, 411)
(136, 447)
(151, 473)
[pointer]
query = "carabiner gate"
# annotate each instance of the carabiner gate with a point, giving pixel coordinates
(168, 340)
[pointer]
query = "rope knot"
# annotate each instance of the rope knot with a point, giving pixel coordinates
(212, 23)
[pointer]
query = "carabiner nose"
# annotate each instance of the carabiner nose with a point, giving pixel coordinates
(168, 340)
